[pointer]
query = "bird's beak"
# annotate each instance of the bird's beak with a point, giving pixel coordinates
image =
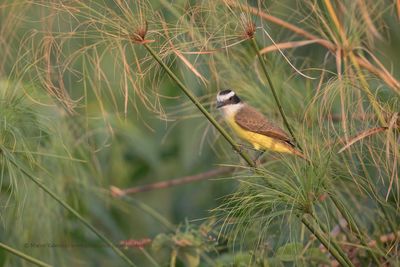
(219, 104)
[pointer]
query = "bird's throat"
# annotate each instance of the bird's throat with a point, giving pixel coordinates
(229, 111)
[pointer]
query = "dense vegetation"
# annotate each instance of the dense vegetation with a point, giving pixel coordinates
(112, 152)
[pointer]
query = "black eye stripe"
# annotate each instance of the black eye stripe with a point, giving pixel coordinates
(233, 99)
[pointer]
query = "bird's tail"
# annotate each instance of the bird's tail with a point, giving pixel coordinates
(299, 153)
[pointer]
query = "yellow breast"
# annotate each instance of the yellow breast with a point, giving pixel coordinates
(258, 141)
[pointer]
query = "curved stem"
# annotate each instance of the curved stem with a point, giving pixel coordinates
(24, 256)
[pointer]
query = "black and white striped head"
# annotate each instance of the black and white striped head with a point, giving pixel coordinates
(227, 97)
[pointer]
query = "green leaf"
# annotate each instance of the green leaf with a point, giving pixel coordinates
(289, 252)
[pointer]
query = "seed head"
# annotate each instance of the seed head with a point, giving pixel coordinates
(139, 36)
(248, 25)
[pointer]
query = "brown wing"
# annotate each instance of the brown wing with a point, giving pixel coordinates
(252, 120)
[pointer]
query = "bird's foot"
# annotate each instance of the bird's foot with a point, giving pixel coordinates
(242, 147)
(257, 160)
(248, 147)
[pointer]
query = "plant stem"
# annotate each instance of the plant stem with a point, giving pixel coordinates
(338, 254)
(149, 257)
(387, 216)
(177, 181)
(364, 85)
(68, 207)
(353, 227)
(200, 106)
(278, 103)
(326, 230)
(24, 256)
(149, 210)
(379, 200)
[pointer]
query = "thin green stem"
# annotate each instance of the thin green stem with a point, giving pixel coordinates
(333, 214)
(67, 207)
(200, 106)
(387, 216)
(364, 85)
(149, 257)
(24, 256)
(338, 254)
(354, 227)
(378, 197)
(149, 210)
(326, 230)
(278, 103)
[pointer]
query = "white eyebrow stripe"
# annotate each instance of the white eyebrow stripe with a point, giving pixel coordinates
(222, 98)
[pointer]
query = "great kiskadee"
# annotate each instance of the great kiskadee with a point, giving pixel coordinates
(252, 126)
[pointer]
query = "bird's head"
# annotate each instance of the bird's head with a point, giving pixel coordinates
(227, 98)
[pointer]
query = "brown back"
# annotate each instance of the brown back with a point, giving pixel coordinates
(252, 120)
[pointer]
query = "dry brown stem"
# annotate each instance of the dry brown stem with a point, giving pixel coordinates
(361, 136)
(117, 192)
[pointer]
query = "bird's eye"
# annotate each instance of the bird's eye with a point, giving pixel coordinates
(231, 98)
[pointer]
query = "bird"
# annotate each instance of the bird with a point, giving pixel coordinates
(252, 126)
